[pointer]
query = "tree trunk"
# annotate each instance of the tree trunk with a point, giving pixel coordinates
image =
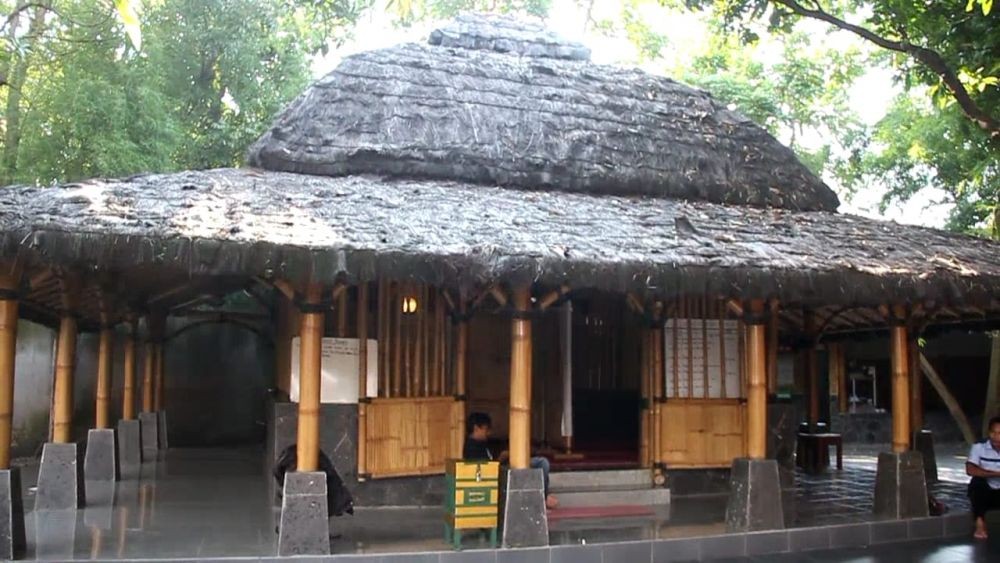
(15, 86)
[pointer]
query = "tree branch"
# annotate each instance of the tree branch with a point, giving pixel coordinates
(931, 59)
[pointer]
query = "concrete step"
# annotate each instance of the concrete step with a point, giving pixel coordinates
(600, 480)
(626, 497)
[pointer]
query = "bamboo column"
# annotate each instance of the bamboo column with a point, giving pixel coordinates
(362, 321)
(756, 349)
(520, 380)
(62, 426)
(160, 385)
(128, 383)
(812, 369)
(900, 384)
(310, 358)
(148, 376)
(772, 350)
(8, 350)
(461, 373)
(657, 389)
(646, 383)
(102, 411)
(916, 387)
(566, 341)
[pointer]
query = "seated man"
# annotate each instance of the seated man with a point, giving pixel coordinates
(983, 465)
(477, 448)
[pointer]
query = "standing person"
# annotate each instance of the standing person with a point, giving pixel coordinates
(477, 448)
(983, 465)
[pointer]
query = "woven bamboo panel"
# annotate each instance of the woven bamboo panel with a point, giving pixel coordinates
(702, 433)
(411, 436)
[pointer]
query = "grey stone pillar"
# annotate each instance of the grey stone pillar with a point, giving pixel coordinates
(12, 539)
(900, 489)
(99, 463)
(304, 528)
(59, 486)
(923, 442)
(524, 523)
(754, 496)
(129, 449)
(148, 423)
(58, 536)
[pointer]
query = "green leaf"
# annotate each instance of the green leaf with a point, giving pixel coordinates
(987, 6)
(970, 5)
(129, 16)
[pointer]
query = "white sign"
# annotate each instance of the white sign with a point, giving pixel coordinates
(704, 336)
(339, 370)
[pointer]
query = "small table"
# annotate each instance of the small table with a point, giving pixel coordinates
(814, 450)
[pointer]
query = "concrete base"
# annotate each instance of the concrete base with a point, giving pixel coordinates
(161, 426)
(149, 423)
(59, 486)
(99, 462)
(754, 496)
(524, 523)
(12, 539)
(129, 449)
(923, 442)
(55, 534)
(100, 503)
(304, 529)
(900, 489)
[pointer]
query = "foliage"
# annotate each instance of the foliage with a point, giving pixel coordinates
(411, 11)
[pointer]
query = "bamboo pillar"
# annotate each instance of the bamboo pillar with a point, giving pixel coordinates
(657, 389)
(62, 426)
(102, 410)
(158, 370)
(772, 350)
(8, 350)
(916, 387)
(900, 388)
(148, 376)
(812, 369)
(128, 380)
(566, 367)
(342, 315)
(520, 380)
(362, 321)
(838, 375)
(646, 382)
(310, 358)
(756, 349)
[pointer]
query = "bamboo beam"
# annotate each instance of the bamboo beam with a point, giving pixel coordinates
(310, 359)
(396, 314)
(62, 426)
(499, 295)
(900, 389)
(520, 381)
(128, 379)
(756, 349)
(362, 324)
(703, 305)
(949, 400)
(773, 324)
(342, 314)
(461, 351)
(102, 410)
(553, 296)
(8, 351)
(916, 386)
(722, 353)
(812, 369)
(382, 337)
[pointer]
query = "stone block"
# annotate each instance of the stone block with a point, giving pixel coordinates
(754, 496)
(129, 449)
(59, 485)
(304, 528)
(161, 426)
(12, 538)
(923, 442)
(900, 489)
(525, 522)
(148, 423)
(99, 461)
(55, 534)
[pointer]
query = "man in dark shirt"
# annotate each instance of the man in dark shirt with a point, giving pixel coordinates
(477, 448)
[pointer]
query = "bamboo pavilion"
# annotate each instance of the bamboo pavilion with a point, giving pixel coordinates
(466, 206)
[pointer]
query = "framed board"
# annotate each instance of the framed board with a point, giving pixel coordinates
(338, 371)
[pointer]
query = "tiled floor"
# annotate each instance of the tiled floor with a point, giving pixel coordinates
(214, 503)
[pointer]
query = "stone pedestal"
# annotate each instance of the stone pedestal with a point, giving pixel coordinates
(149, 423)
(161, 426)
(524, 521)
(99, 462)
(129, 449)
(12, 539)
(923, 442)
(100, 504)
(59, 486)
(55, 534)
(754, 496)
(304, 528)
(900, 489)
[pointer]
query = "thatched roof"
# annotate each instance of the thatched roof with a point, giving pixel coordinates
(496, 102)
(248, 222)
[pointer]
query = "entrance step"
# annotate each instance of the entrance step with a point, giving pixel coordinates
(597, 480)
(626, 497)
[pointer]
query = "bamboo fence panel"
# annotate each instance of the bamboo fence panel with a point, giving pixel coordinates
(702, 433)
(411, 436)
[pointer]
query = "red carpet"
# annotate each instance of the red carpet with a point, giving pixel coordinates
(599, 512)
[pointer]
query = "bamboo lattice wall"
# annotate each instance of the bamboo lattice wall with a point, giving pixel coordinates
(411, 436)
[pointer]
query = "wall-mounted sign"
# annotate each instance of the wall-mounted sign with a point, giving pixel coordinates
(339, 370)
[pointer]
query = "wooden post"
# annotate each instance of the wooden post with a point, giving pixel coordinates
(342, 314)
(657, 389)
(756, 348)
(62, 426)
(916, 386)
(148, 376)
(646, 383)
(128, 383)
(159, 384)
(8, 351)
(811, 367)
(900, 384)
(838, 375)
(102, 411)
(566, 369)
(772, 350)
(310, 358)
(520, 380)
(362, 321)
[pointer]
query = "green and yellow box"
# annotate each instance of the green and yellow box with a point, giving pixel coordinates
(471, 498)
